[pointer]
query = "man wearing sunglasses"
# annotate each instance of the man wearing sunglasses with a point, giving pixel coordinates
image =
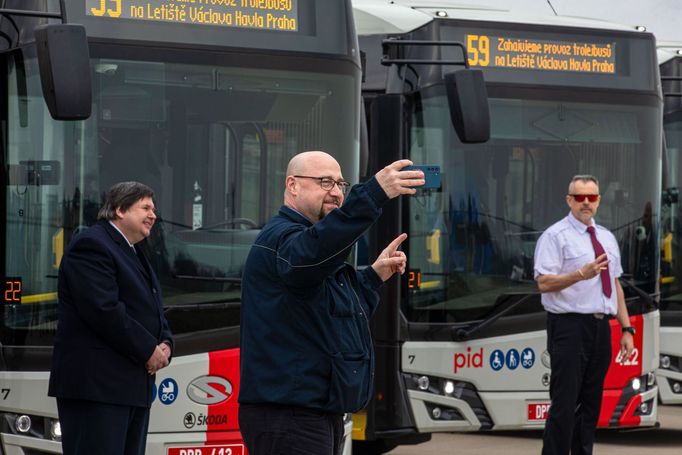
(577, 265)
(306, 347)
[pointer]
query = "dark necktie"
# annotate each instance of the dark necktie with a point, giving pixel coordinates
(598, 251)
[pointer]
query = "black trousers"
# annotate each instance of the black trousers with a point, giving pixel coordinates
(290, 430)
(89, 427)
(580, 350)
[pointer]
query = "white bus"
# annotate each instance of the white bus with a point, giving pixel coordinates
(461, 339)
(205, 102)
(669, 374)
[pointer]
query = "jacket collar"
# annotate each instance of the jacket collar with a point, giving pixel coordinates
(294, 215)
(111, 223)
(114, 233)
(122, 242)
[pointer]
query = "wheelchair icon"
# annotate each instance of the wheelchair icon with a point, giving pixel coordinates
(497, 360)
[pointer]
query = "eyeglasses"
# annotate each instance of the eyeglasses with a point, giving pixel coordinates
(582, 197)
(327, 183)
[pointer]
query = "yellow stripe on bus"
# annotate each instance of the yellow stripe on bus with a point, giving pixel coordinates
(429, 284)
(37, 298)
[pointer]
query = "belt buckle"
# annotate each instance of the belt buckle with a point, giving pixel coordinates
(598, 315)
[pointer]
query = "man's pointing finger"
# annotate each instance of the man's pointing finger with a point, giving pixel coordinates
(393, 246)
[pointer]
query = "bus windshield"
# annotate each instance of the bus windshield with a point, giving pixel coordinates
(671, 222)
(471, 243)
(212, 141)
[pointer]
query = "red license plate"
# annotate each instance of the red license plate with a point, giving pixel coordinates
(538, 411)
(221, 449)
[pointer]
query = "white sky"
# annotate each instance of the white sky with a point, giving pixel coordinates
(661, 17)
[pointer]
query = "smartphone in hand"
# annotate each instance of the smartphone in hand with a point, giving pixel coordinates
(431, 175)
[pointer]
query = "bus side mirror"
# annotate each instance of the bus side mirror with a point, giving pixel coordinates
(64, 62)
(468, 101)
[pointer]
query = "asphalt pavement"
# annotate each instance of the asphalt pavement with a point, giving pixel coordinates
(667, 439)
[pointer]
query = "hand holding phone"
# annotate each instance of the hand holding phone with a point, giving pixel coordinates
(431, 175)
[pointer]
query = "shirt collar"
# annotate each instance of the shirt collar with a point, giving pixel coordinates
(579, 225)
(119, 231)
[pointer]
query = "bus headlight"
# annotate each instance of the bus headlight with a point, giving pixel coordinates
(644, 408)
(650, 380)
(423, 383)
(441, 412)
(636, 384)
(670, 362)
(22, 423)
(448, 387)
(56, 430)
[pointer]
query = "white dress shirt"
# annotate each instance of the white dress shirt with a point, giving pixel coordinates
(565, 247)
(124, 236)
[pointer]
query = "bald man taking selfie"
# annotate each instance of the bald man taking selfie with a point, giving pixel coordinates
(306, 349)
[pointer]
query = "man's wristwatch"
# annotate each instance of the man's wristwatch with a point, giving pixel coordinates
(630, 330)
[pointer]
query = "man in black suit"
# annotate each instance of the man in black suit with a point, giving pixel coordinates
(112, 335)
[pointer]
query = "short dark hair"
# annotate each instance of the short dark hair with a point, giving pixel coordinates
(122, 196)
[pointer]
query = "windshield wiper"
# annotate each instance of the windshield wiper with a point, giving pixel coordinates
(462, 334)
(641, 293)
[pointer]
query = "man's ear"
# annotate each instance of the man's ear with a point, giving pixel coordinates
(290, 185)
(119, 212)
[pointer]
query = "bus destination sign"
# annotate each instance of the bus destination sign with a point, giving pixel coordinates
(278, 15)
(489, 51)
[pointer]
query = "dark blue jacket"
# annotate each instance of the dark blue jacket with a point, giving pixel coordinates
(110, 321)
(305, 338)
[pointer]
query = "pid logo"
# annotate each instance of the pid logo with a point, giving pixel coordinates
(468, 359)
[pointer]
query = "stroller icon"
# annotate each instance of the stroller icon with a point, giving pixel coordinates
(528, 358)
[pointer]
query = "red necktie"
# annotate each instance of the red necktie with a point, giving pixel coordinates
(598, 251)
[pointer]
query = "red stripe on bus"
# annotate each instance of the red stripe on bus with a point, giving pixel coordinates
(620, 375)
(223, 421)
